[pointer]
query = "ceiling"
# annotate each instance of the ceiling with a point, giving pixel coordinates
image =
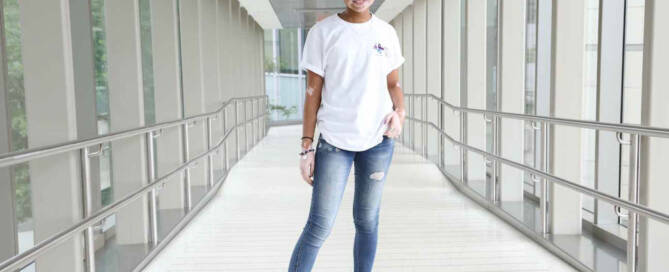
(262, 12)
(304, 13)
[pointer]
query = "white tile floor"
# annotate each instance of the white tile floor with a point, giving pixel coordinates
(426, 224)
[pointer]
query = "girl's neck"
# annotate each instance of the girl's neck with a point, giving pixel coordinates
(352, 16)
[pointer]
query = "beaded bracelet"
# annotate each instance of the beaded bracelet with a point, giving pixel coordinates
(306, 151)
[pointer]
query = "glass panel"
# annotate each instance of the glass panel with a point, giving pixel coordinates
(170, 195)
(16, 110)
(433, 135)
(288, 49)
(147, 61)
(530, 148)
(491, 80)
(632, 79)
(589, 106)
(170, 210)
(102, 97)
(591, 250)
(120, 240)
(106, 228)
(285, 85)
(475, 180)
(121, 246)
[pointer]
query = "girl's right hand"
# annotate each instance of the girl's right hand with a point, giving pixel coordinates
(307, 167)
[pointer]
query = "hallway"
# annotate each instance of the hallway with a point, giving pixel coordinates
(257, 216)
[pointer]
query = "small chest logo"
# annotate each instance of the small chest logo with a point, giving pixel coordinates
(380, 50)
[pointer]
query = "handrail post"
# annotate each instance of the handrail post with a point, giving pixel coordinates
(246, 127)
(225, 140)
(236, 128)
(493, 186)
(442, 160)
(543, 195)
(153, 203)
(633, 218)
(254, 124)
(427, 119)
(266, 115)
(498, 152)
(186, 157)
(407, 139)
(442, 142)
(210, 157)
(89, 237)
(463, 151)
(267, 118)
(413, 124)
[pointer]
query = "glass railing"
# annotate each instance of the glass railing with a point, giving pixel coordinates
(421, 133)
(228, 134)
(286, 96)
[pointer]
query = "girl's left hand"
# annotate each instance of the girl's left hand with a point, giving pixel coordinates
(394, 123)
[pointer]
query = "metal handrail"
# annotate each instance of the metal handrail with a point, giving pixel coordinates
(545, 125)
(24, 258)
(13, 158)
(617, 127)
(662, 217)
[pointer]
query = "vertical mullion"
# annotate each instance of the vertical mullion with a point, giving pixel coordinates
(463, 88)
(89, 233)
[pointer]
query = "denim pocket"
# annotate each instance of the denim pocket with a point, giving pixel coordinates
(322, 144)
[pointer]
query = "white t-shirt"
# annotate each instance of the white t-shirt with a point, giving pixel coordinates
(354, 59)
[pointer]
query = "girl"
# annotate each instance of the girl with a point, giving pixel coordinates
(353, 93)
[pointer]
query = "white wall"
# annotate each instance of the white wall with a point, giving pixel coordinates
(568, 43)
(452, 78)
(476, 85)
(433, 47)
(407, 67)
(51, 119)
(512, 92)
(126, 106)
(420, 65)
(654, 236)
(168, 101)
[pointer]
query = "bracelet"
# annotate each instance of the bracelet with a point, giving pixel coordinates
(304, 152)
(312, 139)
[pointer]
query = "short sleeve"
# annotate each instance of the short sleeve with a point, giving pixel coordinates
(395, 53)
(312, 53)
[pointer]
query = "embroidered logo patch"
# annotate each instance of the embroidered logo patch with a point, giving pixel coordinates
(380, 50)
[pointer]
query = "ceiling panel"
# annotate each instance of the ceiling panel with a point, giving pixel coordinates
(304, 13)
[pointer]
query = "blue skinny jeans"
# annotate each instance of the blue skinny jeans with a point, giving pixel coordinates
(332, 168)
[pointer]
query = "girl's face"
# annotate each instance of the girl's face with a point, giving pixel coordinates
(359, 5)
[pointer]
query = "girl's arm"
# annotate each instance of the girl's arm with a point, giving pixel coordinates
(395, 90)
(312, 102)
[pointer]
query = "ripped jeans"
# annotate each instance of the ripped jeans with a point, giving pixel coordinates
(332, 168)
